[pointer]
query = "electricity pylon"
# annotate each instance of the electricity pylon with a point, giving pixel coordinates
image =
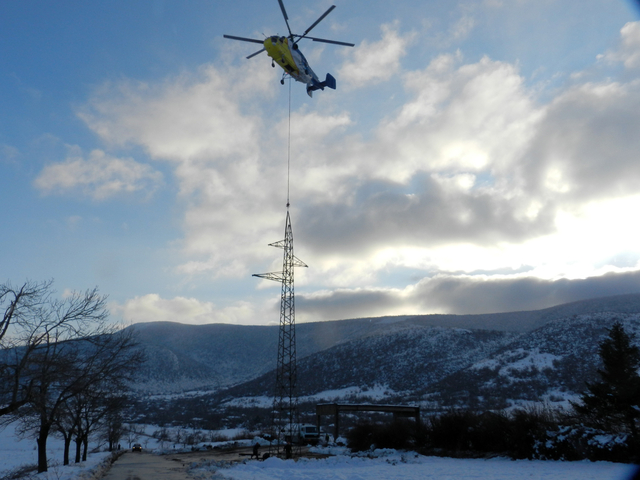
(284, 420)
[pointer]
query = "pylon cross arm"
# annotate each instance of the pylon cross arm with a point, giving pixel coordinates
(275, 276)
(298, 263)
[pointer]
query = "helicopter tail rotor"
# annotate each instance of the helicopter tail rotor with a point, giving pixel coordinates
(329, 82)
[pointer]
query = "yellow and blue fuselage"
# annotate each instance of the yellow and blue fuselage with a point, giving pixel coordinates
(292, 61)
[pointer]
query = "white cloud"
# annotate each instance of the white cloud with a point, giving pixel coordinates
(230, 167)
(153, 308)
(628, 52)
(99, 176)
(187, 117)
(8, 153)
(462, 28)
(463, 117)
(209, 126)
(376, 62)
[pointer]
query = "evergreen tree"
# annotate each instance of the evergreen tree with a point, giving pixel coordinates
(613, 403)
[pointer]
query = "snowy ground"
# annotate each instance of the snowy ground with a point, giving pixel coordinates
(391, 465)
(16, 452)
(387, 465)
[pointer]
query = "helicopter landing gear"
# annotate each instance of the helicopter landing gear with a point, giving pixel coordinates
(282, 81)
(273, 64)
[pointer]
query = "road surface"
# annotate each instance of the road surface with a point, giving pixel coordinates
(145, 466)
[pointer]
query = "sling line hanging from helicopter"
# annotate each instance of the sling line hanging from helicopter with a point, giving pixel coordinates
(289, 145)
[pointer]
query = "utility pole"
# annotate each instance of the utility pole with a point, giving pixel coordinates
(284, 415)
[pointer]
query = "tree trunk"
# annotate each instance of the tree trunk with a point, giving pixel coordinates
(42, 446)
(67, 446)
(78, 445)
(85, 445)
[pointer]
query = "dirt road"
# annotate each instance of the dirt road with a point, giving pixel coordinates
(144, 466)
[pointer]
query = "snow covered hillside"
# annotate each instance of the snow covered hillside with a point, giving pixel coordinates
(407, 360)
(550, 364)
(209, 357)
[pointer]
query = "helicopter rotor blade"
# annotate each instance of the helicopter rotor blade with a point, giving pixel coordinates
(286, 17)
(256, 53)
(324, 40)
(318, 20)
(244, 39)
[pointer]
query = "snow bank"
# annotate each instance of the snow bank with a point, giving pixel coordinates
(16, 452)
(389, 465)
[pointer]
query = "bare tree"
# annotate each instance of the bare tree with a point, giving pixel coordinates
(131, 435)
(65, 425)
(114, 428)
(163, 436)
(61, 351)
(21, 307)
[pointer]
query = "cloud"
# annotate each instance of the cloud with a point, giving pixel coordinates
(462, 295)
(153, 308)
(438, 171)
(376, 62)
(191, 116)
(230, 167)
(8, 153)
(585, 148)
(462, 28)
(208, 126)
(99, 176)
(628, 52)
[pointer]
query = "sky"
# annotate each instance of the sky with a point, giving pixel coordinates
(476, 156)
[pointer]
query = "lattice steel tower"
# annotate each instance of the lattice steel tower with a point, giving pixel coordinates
(285, 403)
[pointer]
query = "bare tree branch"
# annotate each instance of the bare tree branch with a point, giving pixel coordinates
(57, 353)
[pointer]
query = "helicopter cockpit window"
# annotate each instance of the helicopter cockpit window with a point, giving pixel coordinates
(274, 39)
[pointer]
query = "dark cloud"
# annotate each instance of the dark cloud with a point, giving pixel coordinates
(465, 295)
(590, 137)
(341, 304)
(424, 215)
(584, 148)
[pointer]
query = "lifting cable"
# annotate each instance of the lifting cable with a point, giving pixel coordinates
(289, 145)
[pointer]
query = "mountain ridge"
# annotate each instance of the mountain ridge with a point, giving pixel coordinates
(185, 357)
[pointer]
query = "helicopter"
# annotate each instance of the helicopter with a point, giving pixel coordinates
(285, 52)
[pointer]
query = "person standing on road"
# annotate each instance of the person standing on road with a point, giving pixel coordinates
(287, 450)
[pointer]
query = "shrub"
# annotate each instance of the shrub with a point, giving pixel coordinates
(452, 431)
(529, 430)
(491, 433)
(400, 435)
(361, 437)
